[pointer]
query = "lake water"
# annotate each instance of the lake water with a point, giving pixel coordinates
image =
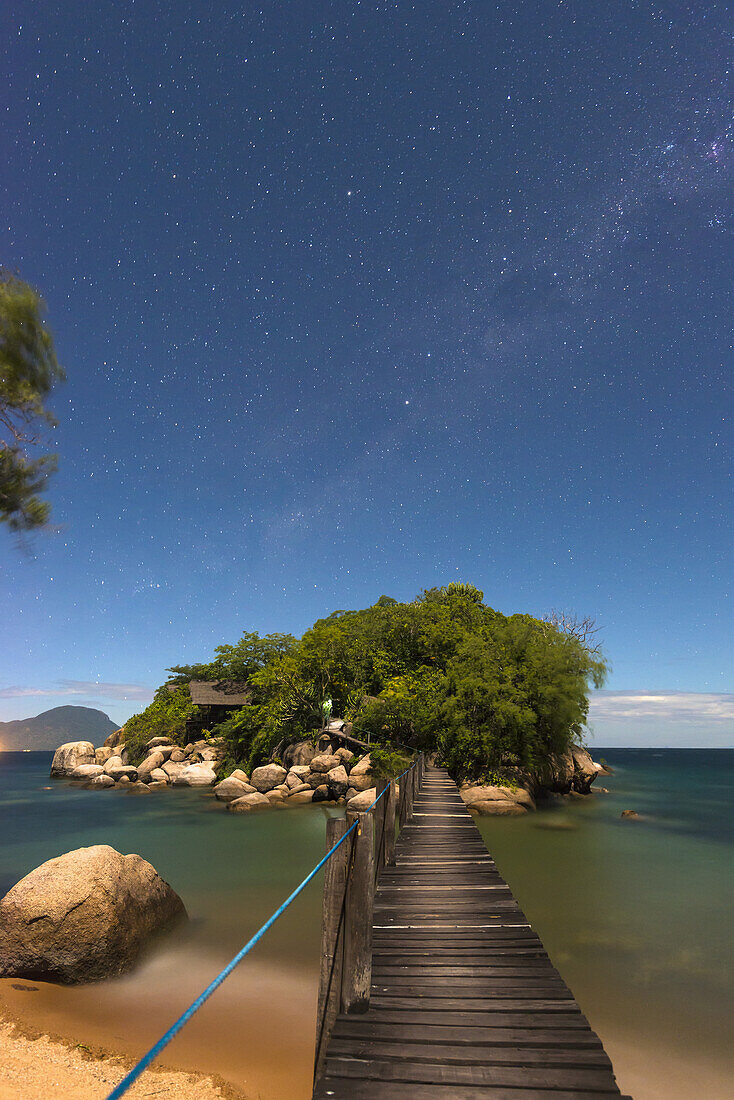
(637, 916)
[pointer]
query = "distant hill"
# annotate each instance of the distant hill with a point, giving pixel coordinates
(56, 726)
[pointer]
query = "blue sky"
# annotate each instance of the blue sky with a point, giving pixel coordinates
(371, 299)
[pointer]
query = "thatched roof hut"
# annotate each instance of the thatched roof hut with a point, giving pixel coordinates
(220, 693)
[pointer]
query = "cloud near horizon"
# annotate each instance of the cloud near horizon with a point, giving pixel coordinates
(670, 706)
(89, 689)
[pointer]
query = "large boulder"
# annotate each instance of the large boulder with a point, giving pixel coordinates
(83, 916)
(338, 781)
(585, 770)
(362, 766)
(151, 763)
(70, 756)
(195, 775)
(102, 755)
(345, 755)
(475, 794)
(555, 774)
(497, 808)
(125, 771)
(297, 790)
(112, 763)
(362, 801)
(87, 771)
(156, 742)
(324, 763)
(300, 798)
(247, 803)
(158, 778)
(173, 769)
(116, 738)
(361, 782)
(232, 788)
(101, 781)
(266, 778)
(239, 774)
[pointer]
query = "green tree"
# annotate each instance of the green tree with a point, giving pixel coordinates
(28, 371)
(164, 717)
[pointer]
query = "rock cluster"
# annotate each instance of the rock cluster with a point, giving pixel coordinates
(328, 774)
(323, 772)
(165, 764)
(562, 775)
(334, 775)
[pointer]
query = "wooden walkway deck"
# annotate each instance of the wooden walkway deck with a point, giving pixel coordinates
(465, 1003)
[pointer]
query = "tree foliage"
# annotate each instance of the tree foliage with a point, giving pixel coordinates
(28, 371)
(164, 717)
(443, 673)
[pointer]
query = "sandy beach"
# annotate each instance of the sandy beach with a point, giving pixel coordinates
(35, 1066)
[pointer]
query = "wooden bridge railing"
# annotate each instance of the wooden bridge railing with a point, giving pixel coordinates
(350, 877)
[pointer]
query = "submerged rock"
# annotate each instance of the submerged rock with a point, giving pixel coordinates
(101, 781)
(83, 916)
(70, 756)
(247, 803)
(630, 815)
(300, 798)
(497, 807)
(474, 795)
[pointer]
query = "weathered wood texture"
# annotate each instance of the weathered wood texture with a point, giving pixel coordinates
(358, 916)
(465, 1003)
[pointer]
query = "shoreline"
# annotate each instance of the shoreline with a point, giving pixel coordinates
(34, 1061)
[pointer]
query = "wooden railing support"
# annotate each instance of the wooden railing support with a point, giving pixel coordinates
(403, 801)
(359, 902)
(388, 847)
(332, 940)
(380, 823)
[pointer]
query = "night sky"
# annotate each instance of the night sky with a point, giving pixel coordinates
(358, 298)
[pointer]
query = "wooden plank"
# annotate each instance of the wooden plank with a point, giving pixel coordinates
(461, 1035)
(541, 1077)
(459, 1054)
(405, 1090)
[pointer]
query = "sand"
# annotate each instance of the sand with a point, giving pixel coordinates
(43, 1067)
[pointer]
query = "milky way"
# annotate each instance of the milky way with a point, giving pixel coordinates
(372, 296)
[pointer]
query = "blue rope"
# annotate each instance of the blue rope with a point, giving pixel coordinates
(174, 1029)
(194, 1007)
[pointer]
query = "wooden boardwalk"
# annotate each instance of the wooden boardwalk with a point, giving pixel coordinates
(465, 1003)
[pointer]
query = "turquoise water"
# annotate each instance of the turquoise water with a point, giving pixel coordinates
(637, 915)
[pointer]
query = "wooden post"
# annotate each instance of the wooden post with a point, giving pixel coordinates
(332, 940)
(403, 800)
(388, 848)
(380, 821)
(357, 966)
(410, 793)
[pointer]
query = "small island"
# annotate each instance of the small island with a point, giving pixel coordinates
(500, 701)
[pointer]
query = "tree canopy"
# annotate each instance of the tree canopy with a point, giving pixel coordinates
(28, 371)
(444, 672)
